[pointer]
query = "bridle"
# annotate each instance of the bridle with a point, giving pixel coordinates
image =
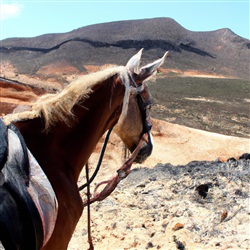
(125, 169)
(144, 106)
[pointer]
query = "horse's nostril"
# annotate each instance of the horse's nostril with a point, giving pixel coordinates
(144, 153)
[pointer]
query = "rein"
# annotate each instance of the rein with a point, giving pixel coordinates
(99, 161)
(91, 246)
(146, 129)
(123, 171)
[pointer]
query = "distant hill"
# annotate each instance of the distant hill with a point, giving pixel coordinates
(31, 67)
(56, 56)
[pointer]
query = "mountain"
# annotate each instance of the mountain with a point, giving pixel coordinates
(57, 56)
(31, 67)
(157, 206)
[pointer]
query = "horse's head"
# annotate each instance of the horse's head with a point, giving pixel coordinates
(135, 119)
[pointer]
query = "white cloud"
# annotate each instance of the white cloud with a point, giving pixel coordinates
(9, 10)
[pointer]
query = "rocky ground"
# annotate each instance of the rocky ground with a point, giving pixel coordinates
(159, 206)
(201, 205)
(219, 105)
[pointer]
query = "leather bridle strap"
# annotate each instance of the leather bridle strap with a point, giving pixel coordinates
(146, 129)
(99, 161)
(91, 246)
(121, 174)
(104, 148)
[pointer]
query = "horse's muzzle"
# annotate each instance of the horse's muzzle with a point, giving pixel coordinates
(145, 150)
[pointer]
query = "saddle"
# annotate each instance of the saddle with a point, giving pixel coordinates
(15, 176)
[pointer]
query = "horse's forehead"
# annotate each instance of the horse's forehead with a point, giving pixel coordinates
(146, 94)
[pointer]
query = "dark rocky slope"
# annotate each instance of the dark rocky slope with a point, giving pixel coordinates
(217, 52)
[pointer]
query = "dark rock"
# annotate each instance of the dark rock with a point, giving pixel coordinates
(202, 190)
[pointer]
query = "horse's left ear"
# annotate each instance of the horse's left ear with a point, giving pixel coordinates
(149, 69)
(134, 63)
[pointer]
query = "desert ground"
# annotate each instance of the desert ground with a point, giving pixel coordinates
(201, 123)
(158, 206)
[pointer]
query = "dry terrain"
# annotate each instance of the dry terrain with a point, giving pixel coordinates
(186, 195)
(158, 206)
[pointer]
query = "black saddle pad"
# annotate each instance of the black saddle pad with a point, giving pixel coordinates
(15, 176)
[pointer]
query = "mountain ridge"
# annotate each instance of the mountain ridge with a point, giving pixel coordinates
(220, 51)
(205, 74)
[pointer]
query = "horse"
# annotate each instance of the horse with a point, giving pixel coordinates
(60, 132)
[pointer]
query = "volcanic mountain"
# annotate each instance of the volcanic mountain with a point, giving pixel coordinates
(56, 57)
(33, 66)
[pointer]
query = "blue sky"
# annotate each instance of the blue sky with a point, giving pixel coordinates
(37, 17)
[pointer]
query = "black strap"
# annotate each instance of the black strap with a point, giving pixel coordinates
(143, 108)
(99, 162)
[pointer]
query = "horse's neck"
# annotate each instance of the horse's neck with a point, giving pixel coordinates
(94, 117)
(68, 148)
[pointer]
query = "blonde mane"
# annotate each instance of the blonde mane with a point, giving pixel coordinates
(58, 107)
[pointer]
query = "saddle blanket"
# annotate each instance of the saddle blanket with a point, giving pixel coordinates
(44, 197)
(39, 188)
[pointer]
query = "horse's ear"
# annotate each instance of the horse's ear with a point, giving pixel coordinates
(149, 69)
(134, 63)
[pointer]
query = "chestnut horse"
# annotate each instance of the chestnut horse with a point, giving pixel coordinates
(61, 131)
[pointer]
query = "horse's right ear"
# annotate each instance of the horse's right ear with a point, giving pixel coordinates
(134, 63)
(149, 69)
